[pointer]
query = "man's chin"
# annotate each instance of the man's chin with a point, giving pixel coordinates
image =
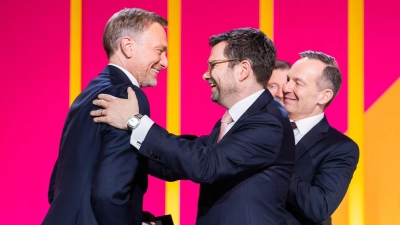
(214, 98)
(149, 84)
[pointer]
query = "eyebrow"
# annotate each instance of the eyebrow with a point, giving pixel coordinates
(299, 79)
(163, 47)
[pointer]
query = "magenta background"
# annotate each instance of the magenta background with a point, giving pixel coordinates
(35, 93)
(382, 47)
(35, 78)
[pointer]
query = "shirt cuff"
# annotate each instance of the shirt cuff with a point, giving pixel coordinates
(140, 132)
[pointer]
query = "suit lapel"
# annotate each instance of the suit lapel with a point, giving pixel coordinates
(213, 137)
(318, 132)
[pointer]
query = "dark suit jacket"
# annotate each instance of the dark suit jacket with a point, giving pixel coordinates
(99, 178)
(325, 163)
(245, 177)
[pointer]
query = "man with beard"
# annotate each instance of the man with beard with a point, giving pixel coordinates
(245, 164)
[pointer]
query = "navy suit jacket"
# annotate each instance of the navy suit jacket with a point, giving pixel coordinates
(98, 178)
(244, 178)
(325, 162)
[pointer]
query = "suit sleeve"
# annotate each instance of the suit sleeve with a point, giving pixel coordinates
(114, 174)
(319, 199)
(161, 172)
(113, 183)
(253, 145)
(50, 193)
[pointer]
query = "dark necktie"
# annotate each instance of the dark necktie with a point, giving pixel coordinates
(294, 126)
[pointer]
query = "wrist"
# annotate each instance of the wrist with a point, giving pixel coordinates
(134, 122)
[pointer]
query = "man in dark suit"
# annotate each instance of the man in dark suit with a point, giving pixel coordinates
(325, 158)
(244, 166)
(99, 178)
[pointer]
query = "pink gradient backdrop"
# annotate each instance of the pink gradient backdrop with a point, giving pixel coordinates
(382, 47)
(35, 78)
(199, 22)
(35, 75)
(95, 15)
(318, 26)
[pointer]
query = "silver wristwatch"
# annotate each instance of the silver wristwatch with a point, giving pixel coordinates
(134, 122)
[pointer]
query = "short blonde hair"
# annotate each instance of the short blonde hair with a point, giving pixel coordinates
(128, 22)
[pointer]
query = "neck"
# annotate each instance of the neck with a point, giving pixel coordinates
(300, 117)
(121, 61)
(243, 93)
(117, 61)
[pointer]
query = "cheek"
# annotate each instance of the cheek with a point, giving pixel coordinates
(273, 91)
(156, 58)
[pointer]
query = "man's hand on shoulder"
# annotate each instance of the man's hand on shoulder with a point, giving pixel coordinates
(116, 111)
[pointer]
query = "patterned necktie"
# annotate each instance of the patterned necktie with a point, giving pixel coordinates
(226, 119)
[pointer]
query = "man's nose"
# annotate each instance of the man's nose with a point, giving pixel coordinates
(164, 60)
(206, 76)
(286, 87)
(279, 93)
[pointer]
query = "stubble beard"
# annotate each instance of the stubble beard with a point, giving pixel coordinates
(215, 96)
(146, 80)
(221, 95)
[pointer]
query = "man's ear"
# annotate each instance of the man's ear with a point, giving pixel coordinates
(245, 69)
(126, 45)
(326, 96)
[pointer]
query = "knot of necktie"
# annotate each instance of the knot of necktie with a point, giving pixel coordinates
(294, 126)
(226, 118)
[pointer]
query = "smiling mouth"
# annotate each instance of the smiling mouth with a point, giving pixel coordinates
(155, 70)
(289, 99)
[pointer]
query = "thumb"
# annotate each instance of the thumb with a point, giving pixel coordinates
(131, 93)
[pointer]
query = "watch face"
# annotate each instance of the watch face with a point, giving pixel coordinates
(133, 122)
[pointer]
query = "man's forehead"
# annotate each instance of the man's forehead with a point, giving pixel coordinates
(217, 52)
(307, 66)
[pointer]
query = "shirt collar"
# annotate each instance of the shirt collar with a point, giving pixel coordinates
(306, 124)
(237, 110)
(129, 75)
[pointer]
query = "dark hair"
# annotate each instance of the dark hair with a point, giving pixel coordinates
(331, 76)
(249, 44)
(128, 22)
(280, 64)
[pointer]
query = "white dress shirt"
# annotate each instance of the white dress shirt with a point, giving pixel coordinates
(305, 125)
(236, 111)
